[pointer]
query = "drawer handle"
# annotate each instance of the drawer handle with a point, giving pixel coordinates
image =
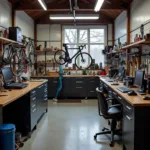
(79, 81)
(45, 90)
(128, 108)
(128, 117)
(40, 86)
(45, 99)
(33, 98)
(92, 91)
(33, 92)
(79, 87)
(120, 98)
(114, 93)
(45, 95)
(34, 110)
(33, 106)
(92, 81)
(106, 86)
(54, 81)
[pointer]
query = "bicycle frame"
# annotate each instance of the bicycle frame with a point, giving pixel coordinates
(78, 52)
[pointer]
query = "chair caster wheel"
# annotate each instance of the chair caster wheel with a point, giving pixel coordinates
(111, 144)
(95, 137)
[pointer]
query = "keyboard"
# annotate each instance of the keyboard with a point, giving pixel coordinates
(16, 86)
(110, 80)
(124, 89)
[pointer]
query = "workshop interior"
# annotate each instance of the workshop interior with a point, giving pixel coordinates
(74, 74)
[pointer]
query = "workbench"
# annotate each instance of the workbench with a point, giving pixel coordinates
(24, 107)
(135, 119)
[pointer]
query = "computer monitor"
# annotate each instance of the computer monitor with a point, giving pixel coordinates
(7, 75)
(139, 80)
(121, 73)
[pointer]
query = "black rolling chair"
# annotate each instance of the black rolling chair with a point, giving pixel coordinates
(113, 112)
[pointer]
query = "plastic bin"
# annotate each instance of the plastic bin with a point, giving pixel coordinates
(7, 137)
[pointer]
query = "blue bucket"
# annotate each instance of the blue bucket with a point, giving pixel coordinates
(7, 137)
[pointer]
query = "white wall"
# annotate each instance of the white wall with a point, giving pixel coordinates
(109, 34)
(140, 13)
(26, 23)
(5, 13)
(121, 27)
(49, 32)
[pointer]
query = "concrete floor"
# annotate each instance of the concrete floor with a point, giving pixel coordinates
(70, 127)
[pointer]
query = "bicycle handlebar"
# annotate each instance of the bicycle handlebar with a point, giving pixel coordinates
(80, 47)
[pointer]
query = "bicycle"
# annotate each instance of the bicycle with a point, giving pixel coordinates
(30, 53)
(15, 56)
(83, 60)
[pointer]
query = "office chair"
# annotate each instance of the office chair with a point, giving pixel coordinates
(113, 112)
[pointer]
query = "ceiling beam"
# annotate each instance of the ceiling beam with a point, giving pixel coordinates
(65, 7)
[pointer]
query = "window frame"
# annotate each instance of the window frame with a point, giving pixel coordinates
(88, 35)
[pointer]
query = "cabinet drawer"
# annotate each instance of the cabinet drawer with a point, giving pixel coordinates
(33, 110)
(114, 94)
(33, 93)
(33, 106)
(128, 130)
(45, 95)
(106, 87)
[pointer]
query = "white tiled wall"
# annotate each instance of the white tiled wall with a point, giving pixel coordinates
(49, 32)
(5, 13)
(26, 23)
(140, 13)
(121, 27)
(110, 34)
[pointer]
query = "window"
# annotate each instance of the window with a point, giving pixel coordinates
(92, 37)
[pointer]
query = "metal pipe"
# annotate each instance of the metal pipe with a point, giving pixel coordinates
(70, 5)
(74, 15)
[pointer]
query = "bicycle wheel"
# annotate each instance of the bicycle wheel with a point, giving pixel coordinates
(59, 57)
(7, 53)
(31, 54)
(83, 60)
(17, 65)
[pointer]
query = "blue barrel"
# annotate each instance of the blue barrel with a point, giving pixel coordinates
(7, 137)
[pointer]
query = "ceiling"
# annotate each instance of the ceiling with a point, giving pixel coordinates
(109, 11)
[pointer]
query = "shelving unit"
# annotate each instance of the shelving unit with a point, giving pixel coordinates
(128, 48)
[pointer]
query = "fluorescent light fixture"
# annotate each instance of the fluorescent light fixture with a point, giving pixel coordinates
(98, 5)
(61, 17)
(43, 4)
(77, 17)
(86, 18)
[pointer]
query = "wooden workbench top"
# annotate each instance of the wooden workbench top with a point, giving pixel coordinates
(133, 100)
(15, 94)
(66, 76)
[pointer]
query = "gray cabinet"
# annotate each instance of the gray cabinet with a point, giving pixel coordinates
(33, 109)
(73, 87)
(92, 84)
(38, 103)
(52, 87)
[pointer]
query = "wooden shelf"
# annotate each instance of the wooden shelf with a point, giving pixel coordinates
(43, 63)
(81, 69)
(119, 51)
(38, 52)
(136, 44)
(5, 40)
